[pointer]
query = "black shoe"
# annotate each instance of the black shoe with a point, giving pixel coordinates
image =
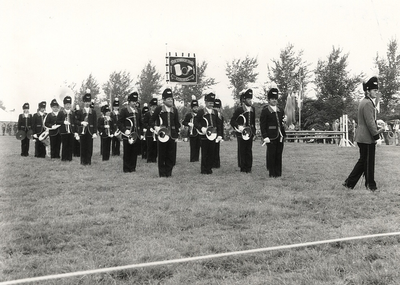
(347, 185)
(372, 188)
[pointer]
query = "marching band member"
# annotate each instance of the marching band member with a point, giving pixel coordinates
(50, 123)
(38, 129)
(130, 124)
(25, 124)
(273, 133)
(106, 131)
(217, 159)
(66, 120)
(115, 142)
(210, 126)
(151, 137)
(143, 142)
(168, 115)
(77, 143)
(367, 133)
(86, 119)
(194, 138)
(245, 141)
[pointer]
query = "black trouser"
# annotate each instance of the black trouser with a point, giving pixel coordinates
(238, 138)
(245, 154)
(40, 149)
(55, 146)
(101, 145)
(25, 147)
(67, 149)
(365, 165)
(86, 141)
(77, 148)
(207, 155)
(115, 146)
(217, 160)
(131, 151)
(151, 149)
(106, 148)
(195, 143)
(144, 148)
(274, 158)
(166, 159)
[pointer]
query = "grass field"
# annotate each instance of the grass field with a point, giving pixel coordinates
(59, 217)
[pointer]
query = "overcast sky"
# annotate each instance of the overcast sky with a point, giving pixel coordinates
(47, 42)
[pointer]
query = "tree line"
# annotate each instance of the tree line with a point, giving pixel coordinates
(337, 91)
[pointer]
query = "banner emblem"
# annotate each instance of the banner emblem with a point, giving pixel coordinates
(182, 70)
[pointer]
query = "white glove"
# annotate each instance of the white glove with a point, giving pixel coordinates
(267, 140)
(94, 136)
(107, 126)
(35, 136)
(240, 128)
(203, 130)
(67, 123)
(142, 137)
(218, 139)
(190, 124)
(157, 129)
(111, 135)
(144, 130)
(84, 123)
(127, 132)
(76, 136)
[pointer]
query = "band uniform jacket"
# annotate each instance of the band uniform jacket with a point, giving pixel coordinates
(250, 119)
(24, 123)
(189, 117)
(103, 121)
(115, 118)
(367, 130)
(51, 120)
(213, 120)
(128, 115)
(271, 122)
(62, 117)
(169, 120)
(38, 123)
(90, 117)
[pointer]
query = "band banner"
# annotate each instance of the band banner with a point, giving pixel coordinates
(182, 70)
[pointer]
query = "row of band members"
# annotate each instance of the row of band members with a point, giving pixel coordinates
(158, 128)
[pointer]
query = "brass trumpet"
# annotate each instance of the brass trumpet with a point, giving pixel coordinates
(163, 133)
(132, 137)
(246, 132)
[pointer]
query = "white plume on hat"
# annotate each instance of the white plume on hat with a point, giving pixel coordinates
(87, 90)
(273, 85)
(145, 105)
(103, 104)
(194, 97)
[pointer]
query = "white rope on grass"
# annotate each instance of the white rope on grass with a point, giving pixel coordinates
(190, 259)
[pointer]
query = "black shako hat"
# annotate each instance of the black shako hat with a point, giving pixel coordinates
(273, 93)
(167, 93)
(372, 83)
(248, 94)
(153, 102)
(67, 99)
(105, 109)
(54, 103)
(194, 102)
(145, 108)
(217, 103)
(133, 97)
(87, 97)
(42, 104)
(210, 97)
(25, 106)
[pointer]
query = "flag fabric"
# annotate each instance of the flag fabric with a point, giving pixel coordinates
(290, 109)
(182, 70)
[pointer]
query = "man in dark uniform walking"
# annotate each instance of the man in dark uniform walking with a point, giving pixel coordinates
(38, 128)
(86, 119)
(130, 124)
(115, 141)
(243, 121)
(66, 120)
(151, 137)
(25, 124)
(194, 138)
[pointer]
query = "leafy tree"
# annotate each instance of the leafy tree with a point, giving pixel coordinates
(335, 87)
(149, 83)
(240, 73)
(290, 73)
(183, 93)
(89, 83)
(119, 85)
(389, 79)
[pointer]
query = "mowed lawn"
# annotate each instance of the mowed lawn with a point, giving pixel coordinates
(59, 217)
